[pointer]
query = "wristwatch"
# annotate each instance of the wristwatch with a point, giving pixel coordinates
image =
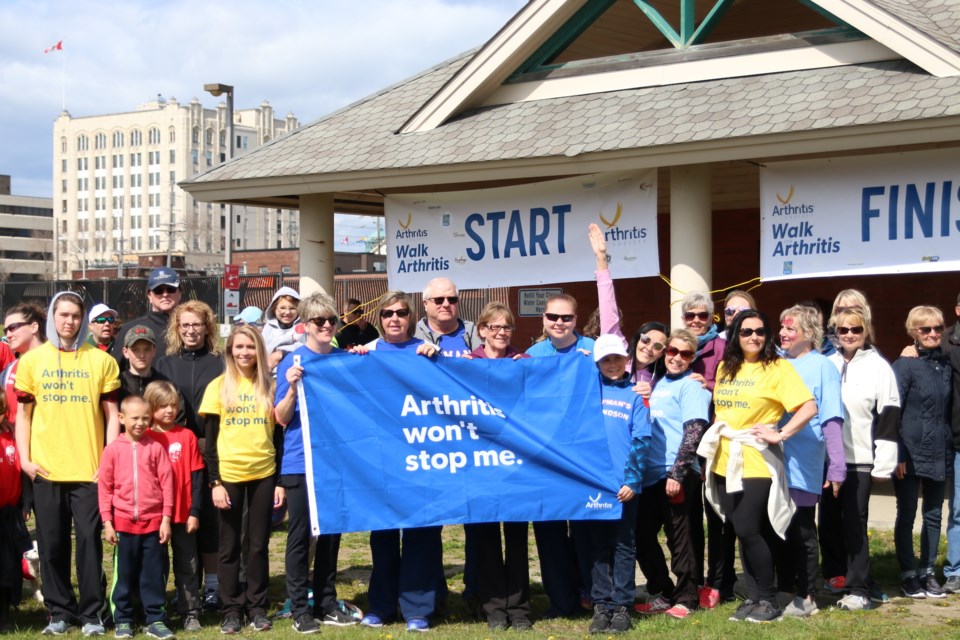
(214, 483)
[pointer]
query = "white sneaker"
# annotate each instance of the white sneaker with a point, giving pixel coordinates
(801, 608)
(852, 602)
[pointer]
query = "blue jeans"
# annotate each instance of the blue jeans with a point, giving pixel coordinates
(952, 566)
(408, 577)
(908, 494)
(612, 556)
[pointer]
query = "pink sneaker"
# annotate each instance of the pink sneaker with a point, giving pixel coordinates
(678, 611)
(658, 604)
(709, 597)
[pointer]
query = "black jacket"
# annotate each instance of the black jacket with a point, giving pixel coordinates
(926, 439)
(153, 319)
(191, 372)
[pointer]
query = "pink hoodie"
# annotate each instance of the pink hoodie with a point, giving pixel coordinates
(135, 484)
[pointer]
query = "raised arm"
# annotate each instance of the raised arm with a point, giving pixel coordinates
(609, 313)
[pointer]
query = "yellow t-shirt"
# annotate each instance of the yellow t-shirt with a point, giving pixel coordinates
(67, 430)
(758, 395)
(245, 444)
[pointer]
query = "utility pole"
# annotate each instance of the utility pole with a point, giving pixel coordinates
(170, 230)
(120, 249)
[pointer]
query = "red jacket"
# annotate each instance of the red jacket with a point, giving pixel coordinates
(135, 484)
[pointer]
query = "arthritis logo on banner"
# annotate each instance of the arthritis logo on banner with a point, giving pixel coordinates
(890, 213)
(397, 440)
(528, 234)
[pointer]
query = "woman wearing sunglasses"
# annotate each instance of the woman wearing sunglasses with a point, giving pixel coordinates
(926, 450)
(746, 480)
(735, 303)
(801, 328)
(871, 422)
(696, 311)
(409, 576)
(679, 411)
(320, 323)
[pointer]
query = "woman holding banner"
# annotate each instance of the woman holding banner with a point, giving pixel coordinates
(504, 572)
(409, 575)
(319, 314)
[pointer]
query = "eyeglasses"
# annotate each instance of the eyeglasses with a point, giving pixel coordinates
(563, 317)
(732, 311)
(685, 354)
(936, 329)
(647, 341)
(746, 333)
(164, 289)
(702, 316)
(104, 320)
(497, 328)
(10, 328)
(191, 326)
(439, 300)
(388, 313)
(319, 321)
(842, 331)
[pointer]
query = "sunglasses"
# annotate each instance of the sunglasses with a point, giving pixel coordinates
(746, 333)
(647, 341)
(563, 317)
(842, 331)
(10, 328)
(685, 354)
(320, 321)
(703, 316)
(104, 320)
(164, 289)
(936, 329)
(388, 313)
(439, 300)
(732, 311)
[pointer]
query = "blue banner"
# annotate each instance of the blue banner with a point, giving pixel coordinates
(397, 440)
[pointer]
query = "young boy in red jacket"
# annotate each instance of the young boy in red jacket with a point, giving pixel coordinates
(136, 505)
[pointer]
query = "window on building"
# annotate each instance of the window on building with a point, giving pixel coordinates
(83, 144)
(196, 135)
(118, 138)
(173, 177)
(136, 160)
(100, 183)
(82, 184)
(223, 138)
(136, 180)
(154, 200)
(286, 269)
(83, 164)
(136, 138)
(209, 157)
(118, 181)
(63, 165)
(208, 137)
(196, 157)
(263, 269)
(172, 135)
(63, 147)
(154, 136)
(117, 202)
(136, 201)
(173, 156)
(100, 141)
(63, 185)
(63, 223)
(63, 209)
(118, 161)
(136, 221)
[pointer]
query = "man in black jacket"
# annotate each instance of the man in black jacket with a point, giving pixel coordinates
(163, 294)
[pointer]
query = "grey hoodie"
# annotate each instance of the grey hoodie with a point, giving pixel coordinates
(276, 337)
(52, 334)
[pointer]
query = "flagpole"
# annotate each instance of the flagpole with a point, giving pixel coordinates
(63, 84)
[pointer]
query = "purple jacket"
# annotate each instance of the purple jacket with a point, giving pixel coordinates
(708, 360)
(511, 352)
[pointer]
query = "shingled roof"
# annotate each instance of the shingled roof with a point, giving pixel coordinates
(362, 137)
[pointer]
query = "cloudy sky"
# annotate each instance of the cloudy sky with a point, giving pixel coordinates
(308, 56)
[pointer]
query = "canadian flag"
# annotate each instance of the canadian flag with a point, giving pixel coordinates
(56, 47)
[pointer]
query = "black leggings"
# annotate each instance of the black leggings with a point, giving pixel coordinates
(747, 511)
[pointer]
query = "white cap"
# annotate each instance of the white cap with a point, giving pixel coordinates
(608, 345)
(100, 310)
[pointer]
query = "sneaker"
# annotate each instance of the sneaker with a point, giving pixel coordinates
(286, 611)
(371, 620)
(191, 623)
(877, 595)
(764, 612)
(913, 588)
(836, 585)
(679, 611)
(231, 625)
(521, 623)
(338, 618)
(160, 631)
(952, 585)
(123, 630)
(211, 600)
(853, 602)
(742, 611)
(801, 608)
(418, 624)
(260, 622)
(659, 604)
(709, 597)
(601, 619)
(92, 629)
(620, 620)
(497, 623)
(305, 624)
(931, 587)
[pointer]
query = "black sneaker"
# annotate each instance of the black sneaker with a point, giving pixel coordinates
(260, 622)
(620, 620)
(913, 588)
(932, 588)
(211, 600)
(763, 612)
(601, 619)
(338, 618)
(742, 611)
(305, 624)
(231, 625)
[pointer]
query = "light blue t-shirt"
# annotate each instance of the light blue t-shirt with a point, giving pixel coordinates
(673, 402)
(806, 452)
(546, 348)
(407, 345)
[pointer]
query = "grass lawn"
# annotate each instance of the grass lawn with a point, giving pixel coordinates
(901, 618)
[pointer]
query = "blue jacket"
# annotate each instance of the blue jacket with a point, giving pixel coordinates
(627, 422)
(926, 440)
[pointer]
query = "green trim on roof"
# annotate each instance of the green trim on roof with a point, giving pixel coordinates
(569, 32)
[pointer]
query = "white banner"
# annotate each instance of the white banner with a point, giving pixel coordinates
(523, 235)
(890, 213)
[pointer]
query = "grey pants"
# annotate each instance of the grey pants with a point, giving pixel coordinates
(183, 545)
